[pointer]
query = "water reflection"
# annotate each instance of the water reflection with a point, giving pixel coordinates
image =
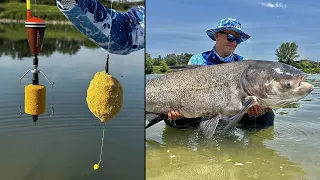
(66, 145)
(64, 39)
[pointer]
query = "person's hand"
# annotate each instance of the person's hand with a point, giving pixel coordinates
(257, 110)
(174, 115)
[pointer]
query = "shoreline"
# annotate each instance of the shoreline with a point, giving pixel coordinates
(23, 21)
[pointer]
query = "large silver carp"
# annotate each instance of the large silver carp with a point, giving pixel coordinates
(226, 91)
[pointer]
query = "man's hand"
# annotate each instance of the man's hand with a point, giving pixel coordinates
(174, 115)
(257, 110)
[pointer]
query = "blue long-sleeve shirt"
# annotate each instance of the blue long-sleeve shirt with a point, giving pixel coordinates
(212, 57)
(92, 19)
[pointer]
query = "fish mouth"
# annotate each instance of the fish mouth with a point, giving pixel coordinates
(302, 79)
(304, 85)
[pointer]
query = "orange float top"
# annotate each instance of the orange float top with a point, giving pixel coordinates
(35, 20)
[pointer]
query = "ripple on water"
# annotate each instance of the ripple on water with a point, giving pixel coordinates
(277, 151)
(295, 130)
(300, 124)
(68, 118)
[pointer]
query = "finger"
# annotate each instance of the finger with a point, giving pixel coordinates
(254, 110)
(173, 115)
(257, 109)
(260, 109)
(169, 116)
(177, 115)
(180, 115)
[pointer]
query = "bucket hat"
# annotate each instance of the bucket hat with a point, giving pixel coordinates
(228, 24)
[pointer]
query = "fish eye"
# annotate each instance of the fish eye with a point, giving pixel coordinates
(288, 84)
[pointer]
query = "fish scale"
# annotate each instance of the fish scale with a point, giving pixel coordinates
(194, 92)
(224, 91)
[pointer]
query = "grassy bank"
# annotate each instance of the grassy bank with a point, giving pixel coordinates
(17, 31)
(58, 38)
(17, 11)
(156, 70)
(49, 12)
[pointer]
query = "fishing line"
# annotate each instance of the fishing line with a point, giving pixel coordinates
(101, 145)
(52, 95)
(20, 104)
(96, 166)
(35, 7)
(110, 25)
(107, 65)
(108, 56)
(255, 121)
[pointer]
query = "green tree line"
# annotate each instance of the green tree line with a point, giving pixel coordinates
(161, 64)
(47, 9)
(120, 4)
(287, 53)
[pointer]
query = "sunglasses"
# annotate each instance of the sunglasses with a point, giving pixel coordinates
(231, 37)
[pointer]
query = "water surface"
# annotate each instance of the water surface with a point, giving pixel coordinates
(65, 145)
(288, 150)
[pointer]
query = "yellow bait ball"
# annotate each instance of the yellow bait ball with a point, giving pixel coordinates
(35, 99)
(95, 166)
(104, 96)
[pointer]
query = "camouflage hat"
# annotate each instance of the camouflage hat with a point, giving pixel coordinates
(228, 24)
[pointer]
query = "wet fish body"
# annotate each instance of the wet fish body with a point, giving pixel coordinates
(225, 90)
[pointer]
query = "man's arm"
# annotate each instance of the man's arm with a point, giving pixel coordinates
(92, 19)
(197, 59)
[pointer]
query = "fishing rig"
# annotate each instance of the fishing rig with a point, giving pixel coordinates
(35, 93)
(104, 95)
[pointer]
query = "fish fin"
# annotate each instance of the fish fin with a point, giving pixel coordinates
(236, 118)
(153, 118)
(208, 127)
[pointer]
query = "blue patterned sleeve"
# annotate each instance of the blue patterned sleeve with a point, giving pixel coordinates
(197, 59)
(240, 57)
(92, 19)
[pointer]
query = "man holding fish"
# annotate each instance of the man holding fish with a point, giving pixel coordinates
(228, 35)
(127, 35)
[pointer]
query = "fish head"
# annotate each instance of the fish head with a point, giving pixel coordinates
(275, 84)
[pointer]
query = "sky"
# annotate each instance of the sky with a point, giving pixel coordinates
(180, 26)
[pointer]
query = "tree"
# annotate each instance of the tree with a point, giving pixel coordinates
(164, 67)
(149, 64)
(157, 61)
(171, 61)
(287, 53)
